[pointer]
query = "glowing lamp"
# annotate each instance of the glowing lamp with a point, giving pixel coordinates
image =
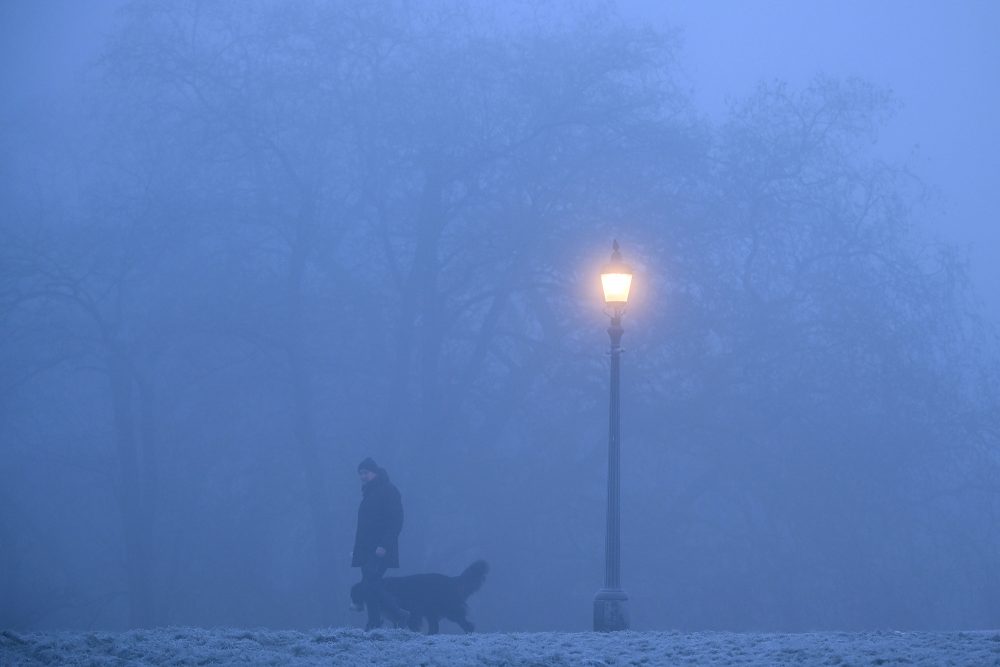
(616, 278)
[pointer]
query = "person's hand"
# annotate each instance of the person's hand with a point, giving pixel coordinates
(379, 551)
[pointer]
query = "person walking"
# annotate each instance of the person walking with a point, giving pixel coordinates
(376, 542)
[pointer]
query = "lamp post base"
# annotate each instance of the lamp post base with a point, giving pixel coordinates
(610, 611)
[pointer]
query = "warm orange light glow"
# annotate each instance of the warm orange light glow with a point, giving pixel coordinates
(616, 287)
(616, 279)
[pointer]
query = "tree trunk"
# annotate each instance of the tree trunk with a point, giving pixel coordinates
(303, 400)
(134, 497)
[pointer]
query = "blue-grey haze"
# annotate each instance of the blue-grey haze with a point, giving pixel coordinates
(245, 244)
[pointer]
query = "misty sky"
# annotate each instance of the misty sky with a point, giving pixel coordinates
(941, 59)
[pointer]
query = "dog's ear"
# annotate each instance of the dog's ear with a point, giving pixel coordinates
(357, 599)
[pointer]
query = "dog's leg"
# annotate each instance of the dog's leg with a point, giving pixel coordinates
(463, 622)
(416, 620)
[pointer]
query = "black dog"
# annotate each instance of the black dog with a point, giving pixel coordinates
(431, 596)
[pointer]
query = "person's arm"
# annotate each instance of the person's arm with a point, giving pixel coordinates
(393, 520)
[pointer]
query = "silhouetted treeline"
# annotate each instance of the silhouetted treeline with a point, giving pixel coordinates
(266, 239)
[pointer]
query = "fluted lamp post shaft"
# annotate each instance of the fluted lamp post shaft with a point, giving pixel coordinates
(610, 608)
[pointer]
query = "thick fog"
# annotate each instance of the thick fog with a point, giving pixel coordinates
(246, 244)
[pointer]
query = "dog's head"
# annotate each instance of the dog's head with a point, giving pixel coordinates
(357, 597)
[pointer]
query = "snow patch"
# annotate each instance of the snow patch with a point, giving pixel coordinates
(343, 646)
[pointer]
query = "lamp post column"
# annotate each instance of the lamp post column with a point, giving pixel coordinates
(610, 610)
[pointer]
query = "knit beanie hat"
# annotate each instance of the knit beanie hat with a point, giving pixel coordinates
(368, 464)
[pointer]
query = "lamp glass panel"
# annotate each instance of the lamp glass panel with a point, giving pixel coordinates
(616, 287)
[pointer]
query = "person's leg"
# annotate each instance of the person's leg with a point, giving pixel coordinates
(378, 599)
(371, 578)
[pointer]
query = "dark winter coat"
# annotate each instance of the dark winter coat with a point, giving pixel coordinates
(380, 519)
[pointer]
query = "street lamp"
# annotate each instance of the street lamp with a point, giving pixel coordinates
(610, 611)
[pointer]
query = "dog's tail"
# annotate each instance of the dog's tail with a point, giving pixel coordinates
(472, 579)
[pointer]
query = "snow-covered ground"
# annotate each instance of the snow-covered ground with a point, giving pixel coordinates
(341, 646)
